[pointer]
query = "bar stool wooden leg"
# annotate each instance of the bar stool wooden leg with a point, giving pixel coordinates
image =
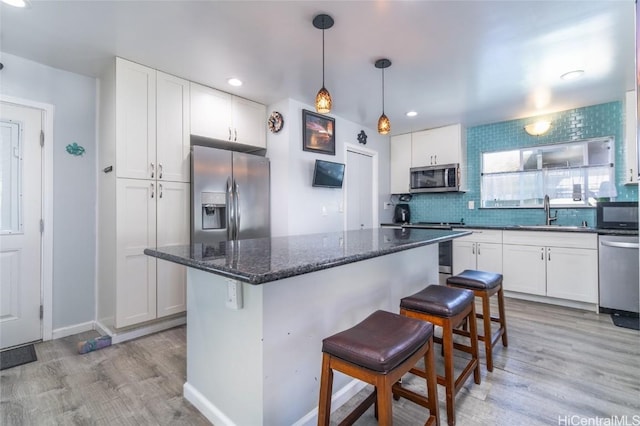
(449, 379)
(486, 317)
(503, 318)
(326, 388)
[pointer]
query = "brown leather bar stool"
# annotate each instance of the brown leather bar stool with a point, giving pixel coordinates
(448, 308)
(484, 285)
(379, 350)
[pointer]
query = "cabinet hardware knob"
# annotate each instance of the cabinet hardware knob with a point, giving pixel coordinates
(160, 191)
(153, 170)
(159, 170)
(152, 191)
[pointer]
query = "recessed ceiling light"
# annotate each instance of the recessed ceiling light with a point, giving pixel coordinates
(572, 75)
(17, 3)
(234, 82)
(412, 114)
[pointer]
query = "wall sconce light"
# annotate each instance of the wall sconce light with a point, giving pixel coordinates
(538, 128)
(323, 98)
(384, 125)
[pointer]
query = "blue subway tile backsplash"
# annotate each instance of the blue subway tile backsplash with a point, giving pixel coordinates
(575, 124)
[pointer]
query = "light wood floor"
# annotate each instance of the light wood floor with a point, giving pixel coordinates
(560, 363)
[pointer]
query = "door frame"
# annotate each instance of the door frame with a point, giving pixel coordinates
(46, 242)
(374, 185)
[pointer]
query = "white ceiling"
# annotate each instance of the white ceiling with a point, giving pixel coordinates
(473, 62)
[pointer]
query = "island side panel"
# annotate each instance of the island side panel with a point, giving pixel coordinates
(300, 311)
(224, 351)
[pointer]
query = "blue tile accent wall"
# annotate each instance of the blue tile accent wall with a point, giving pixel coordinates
(580, 123)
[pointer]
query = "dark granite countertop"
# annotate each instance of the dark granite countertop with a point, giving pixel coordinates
(549, 228)
(262, 260)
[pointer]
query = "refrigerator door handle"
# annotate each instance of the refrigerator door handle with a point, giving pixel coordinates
(230, 207)
(236, 192)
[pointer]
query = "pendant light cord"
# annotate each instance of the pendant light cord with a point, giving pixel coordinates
(323, 52)
(383, 91)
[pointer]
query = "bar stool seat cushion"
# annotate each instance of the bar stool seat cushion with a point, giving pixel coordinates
(380, 342)
(478, 280)
(439, 300)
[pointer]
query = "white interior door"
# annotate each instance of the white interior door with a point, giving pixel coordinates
(360, 187)
(20, 215)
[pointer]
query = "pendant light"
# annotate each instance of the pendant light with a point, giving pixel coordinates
(384, 125)
(323, 98)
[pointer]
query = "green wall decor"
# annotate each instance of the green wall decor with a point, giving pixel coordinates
(75, 149)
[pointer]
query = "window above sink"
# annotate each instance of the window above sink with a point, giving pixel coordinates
(573, 174)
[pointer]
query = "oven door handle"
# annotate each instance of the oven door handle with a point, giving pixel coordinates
(619, 244)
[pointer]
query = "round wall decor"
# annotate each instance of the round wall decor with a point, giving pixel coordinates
(275, 122)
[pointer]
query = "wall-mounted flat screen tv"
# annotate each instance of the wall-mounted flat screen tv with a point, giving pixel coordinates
(328, 174)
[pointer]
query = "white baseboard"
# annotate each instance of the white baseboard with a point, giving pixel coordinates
(337, 400)
(61, 332)
(119, 336)
(210, 411)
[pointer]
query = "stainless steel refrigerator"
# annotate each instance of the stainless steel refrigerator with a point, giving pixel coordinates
(230, 195)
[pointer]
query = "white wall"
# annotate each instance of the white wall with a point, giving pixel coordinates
(74, 179)
(296, 206)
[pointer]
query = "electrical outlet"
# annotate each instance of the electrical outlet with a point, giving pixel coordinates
(234, 294)
(471, 205)
(324, 211)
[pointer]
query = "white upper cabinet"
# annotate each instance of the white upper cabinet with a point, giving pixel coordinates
(400, 163)
(219, 115)
(152, 124)
(172, 130)
(135, 120)
(443, 145)
(630, 138)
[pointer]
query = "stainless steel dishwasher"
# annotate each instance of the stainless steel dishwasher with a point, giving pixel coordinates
(618, 266)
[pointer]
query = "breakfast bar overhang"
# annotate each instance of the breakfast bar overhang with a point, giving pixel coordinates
(258, 309)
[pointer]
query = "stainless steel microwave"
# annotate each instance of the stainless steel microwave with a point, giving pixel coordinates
(617, 215)
(442, 178)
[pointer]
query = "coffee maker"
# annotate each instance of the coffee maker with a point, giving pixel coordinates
(402, 214)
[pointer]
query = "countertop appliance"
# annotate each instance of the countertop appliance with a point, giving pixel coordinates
(443, 178)
(618, 269)
(617, 215)
(229, 194)
(402, 214)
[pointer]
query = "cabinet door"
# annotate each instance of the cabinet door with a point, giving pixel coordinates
(630, 138)
(172, 135)
(489, 257)
(400, 163)
(136, 272)
(464, 255)
(135, 120)
(249, 122)
(210, 113)
(572, 274)
(172, 229)
(422, 149)
(524, 269)
(445, 144)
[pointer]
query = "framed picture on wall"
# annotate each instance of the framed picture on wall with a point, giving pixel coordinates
(318, 133)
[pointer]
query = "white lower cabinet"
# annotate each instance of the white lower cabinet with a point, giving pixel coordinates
(149, 214)
(480, 251)
(563, 265)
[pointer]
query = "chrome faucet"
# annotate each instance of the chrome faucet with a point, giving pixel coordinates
(547, 211)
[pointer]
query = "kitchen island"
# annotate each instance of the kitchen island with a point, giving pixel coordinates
(257, 311)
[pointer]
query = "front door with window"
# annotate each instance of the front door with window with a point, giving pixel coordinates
(20, 215)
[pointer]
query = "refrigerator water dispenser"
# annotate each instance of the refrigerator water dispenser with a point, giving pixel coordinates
(214, 211)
